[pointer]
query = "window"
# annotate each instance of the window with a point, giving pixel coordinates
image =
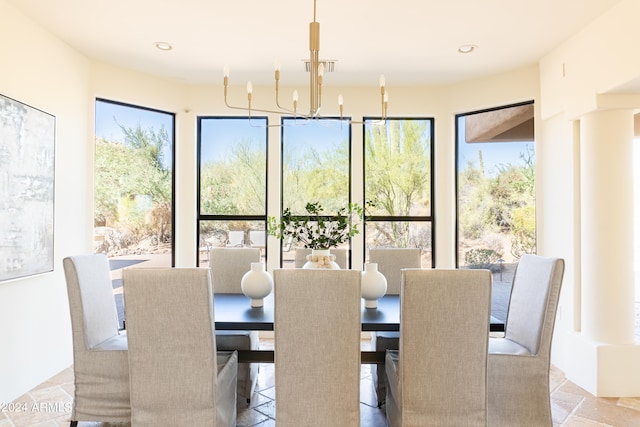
(134, 161)
(495, 161)
(232, 189)
(398, 184)
(315, 168)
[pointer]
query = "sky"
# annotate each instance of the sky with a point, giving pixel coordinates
(109, 117)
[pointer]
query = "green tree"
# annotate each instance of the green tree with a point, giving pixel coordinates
(398, 176)
(236, 182)
(133, 183)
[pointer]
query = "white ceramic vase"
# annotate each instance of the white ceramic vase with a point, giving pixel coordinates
(321, 258)
(257, 284)
(374, 285)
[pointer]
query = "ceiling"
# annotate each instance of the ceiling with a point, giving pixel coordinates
(411, 42)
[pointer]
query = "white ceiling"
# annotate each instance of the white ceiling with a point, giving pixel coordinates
(410, 41)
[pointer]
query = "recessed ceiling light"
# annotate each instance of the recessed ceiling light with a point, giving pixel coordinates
(163, 45)
(467, 48)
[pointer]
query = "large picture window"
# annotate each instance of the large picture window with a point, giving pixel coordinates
(398, 184)
(496, 212)
(133, 189)
(232, 189)
(315, 169)
(134, 182)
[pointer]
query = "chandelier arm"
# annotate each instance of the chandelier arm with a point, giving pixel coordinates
(258, 110)
(316, 72)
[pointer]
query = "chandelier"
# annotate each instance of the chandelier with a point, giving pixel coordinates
(316, 68)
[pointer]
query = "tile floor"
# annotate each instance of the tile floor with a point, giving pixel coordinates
(49, 404)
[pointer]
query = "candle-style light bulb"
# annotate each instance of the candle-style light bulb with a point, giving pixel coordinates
(320, 69)
(382, 80)
(386, 97)
(249, 92)
(295, 101)
(277, 65)
(225, 71)
(340, 100)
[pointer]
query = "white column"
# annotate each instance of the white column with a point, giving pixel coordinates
(606, 155)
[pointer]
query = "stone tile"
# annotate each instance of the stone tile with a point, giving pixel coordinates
(556, 378)
(268, 423)
(269, 393)
(606, 411)
(250, 417)
(268, 409)
(259, 399)
(563, 404)
(582, 422)
(630, 402)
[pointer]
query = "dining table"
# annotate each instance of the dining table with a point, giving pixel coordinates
(233, 312)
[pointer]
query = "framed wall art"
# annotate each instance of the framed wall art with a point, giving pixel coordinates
(27, 148)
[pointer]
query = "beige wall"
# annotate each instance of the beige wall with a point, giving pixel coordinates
(39, 70)
(581, 77)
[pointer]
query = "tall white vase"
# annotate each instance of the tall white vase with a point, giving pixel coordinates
(374, 285)
(321, 258)
(257, 284)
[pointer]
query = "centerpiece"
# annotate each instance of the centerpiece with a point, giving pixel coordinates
(318, 231)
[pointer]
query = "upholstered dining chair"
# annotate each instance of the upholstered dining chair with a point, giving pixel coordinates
(176, 376)
(438, 377)
(341, 257)
(228, 265)
(100, 363)
(390, 263)
(317, 347)
(519, 362)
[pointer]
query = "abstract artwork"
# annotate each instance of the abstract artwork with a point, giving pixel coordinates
(27, 146)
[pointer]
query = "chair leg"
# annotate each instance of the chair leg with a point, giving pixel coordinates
(73, 423)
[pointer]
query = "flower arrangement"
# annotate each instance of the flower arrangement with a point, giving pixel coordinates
(316, 229)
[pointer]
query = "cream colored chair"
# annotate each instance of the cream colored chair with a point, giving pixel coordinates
(228, 265)
(177, 378)
(341, 257)
(519, 362)
(390, 263)
(100, 364)
(317, 347)
(438, 377)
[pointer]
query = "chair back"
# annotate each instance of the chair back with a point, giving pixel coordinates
(533, 303)
(100, 360)
(228, 265)
(341, 257)
(444, 334)
(317, 347)
(94, 316)
(172, 346)
(391, 260)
